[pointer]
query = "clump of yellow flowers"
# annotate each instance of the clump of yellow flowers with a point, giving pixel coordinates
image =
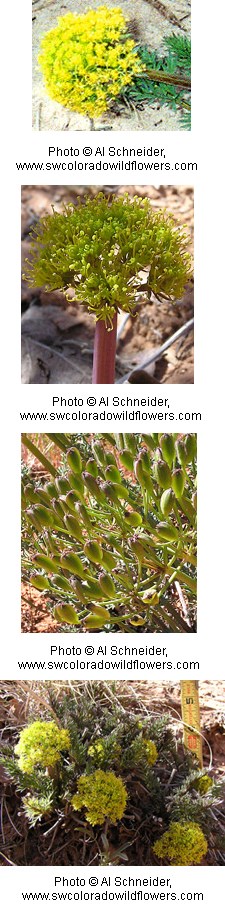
(40, 745)
(182, 844)
(103, 794)
(88, 60)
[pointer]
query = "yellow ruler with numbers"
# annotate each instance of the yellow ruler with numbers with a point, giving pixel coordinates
(191, 718)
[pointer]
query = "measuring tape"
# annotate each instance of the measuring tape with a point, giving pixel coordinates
(191, 718)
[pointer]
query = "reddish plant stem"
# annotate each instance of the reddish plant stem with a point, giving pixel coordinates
(104, 353)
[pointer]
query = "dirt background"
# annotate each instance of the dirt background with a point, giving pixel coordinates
(155, 21)
(57, 337)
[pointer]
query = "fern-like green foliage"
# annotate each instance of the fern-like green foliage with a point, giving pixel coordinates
(175, 62)
(99, 248)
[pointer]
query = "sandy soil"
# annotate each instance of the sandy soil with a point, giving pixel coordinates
(57, 337)
(155, 19)
(35, 617)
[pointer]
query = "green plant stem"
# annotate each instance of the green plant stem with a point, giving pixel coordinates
(104, 353)
(38, 454)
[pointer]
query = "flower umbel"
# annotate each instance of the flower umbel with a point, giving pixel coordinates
(40, 745)
(99, 248)
(182, 844)
(103, 794)
(87, 60)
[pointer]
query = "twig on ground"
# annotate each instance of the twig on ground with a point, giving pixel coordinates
(155, 354)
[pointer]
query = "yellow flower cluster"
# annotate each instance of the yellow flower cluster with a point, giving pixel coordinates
(40, 745)
(182, 844)
(203, 784)
(103, 794)
(150, 752)
(88, 60)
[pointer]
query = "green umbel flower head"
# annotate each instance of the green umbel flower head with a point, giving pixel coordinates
(99, 249)
(103, 794)
(203, 784)
(40, 745)
(88, 60)
(182, 844)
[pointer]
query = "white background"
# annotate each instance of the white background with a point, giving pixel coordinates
(204, 145)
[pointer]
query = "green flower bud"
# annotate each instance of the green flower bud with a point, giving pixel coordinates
(110, 459)
(83, 514)
(163, 475)
(107, 585)
(58, 506)
(149, 441)
(187, 508)
(112, 473)
(137, 548)
(73, 527)
(43, 515)
(96, 621)
(181, 453)
(127, 460)
(73, 563)
(143, 454)
(93, 487)
(43, 497)
(40, 582)
(167, 446)
(74, 460)
(67, 614)
(166, 502)
(178, 482)
(92, 467)
(45, 563)
(93, 590)
(32, 518)
(70, 500)
(51, 490)
(109, 493)
(99, 453)
(93, 551)
(121, 491)
(167, 532)
(190, 443)
(140, 473)
(62, 583)
(31, 494)
(130, 442)
(134, 519)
